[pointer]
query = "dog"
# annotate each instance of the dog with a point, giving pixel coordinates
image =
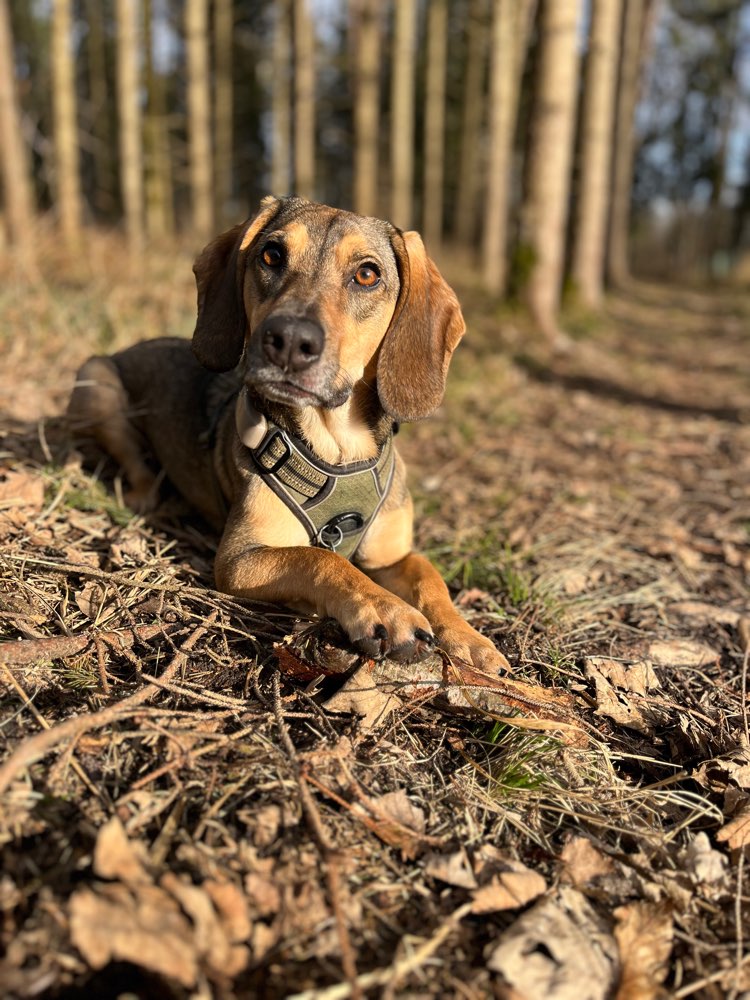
(317, 332)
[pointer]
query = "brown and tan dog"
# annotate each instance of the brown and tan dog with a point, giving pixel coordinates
(328, 327)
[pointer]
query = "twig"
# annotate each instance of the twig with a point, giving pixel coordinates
(38, 745)
(25, 651)
(327, 850)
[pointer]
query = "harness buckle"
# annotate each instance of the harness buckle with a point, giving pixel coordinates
(331, 535)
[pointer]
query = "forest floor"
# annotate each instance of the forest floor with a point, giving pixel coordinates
(195, 800)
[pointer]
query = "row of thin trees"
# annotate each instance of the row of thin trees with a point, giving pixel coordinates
(499, 125)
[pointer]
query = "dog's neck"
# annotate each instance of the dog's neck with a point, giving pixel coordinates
(353, 432)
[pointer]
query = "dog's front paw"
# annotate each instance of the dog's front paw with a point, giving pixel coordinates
(462, 642)
(388, 626)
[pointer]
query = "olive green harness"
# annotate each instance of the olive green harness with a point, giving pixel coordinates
(335, 503)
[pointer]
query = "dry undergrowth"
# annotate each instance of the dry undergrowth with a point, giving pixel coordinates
(201, 798)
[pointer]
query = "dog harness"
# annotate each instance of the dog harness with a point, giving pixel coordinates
(335, 503)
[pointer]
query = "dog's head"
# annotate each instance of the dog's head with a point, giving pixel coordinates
(315, 300)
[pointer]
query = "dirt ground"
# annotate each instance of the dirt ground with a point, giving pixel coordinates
(201, 798)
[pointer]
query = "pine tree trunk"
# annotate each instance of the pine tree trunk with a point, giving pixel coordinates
(104, 196)
(466, 219)
(223, 108)
(159, 191)
(434, 127)
(199, 117)
(597, 136)
(618, 267)
(281, 100)
(304, 101)
(545, 208)
(365, 25)
(402, 114)
(65, 123)
(502, 121)
(131, 143)
(18, 198)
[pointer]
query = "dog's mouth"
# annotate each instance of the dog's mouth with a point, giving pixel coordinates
(289, 392)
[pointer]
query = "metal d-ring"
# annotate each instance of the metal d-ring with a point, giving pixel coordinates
(325, 542)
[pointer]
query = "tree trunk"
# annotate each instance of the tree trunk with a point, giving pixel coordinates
(18, 199)
(545, 208)
(131, 144)
(104, 196)
(223, 108)
(199, 117)
(434, 125)
(365, 24)
(65, 124)
(402, 114)
(304, 101)
(466, 217)
(618, 267)
(159, 189)
(597, 136)
(281, 100)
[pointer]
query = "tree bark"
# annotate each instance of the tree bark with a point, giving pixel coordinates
(434, 126)
(18, 198)
(65, 123)
(104, 196)
(304, 101)
(597, 136)
(466, 218)
(223, 108)
(159, 190)
(365, 25)
(618, 266)
(131, 143)
(281, 100)
(199, 117)
(402, 114)
(545, 208)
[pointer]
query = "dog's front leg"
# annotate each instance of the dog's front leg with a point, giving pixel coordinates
(377, 622)
(415, 580)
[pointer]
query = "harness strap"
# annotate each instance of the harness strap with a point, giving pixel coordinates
(335, 503)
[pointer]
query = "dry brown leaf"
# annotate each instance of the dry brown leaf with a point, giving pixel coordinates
(681, 653)
(231, 906)
(362, 695)
(92, 600)
(704, 865)
(19, 488)
(583, 862)
(265, 823)
(615, 706)
(705, 613)
(110, 924)
(508, 890)
(559, 949)
(638, 678)
(263, 895)
(644, 937)
(736, 832)
(454, 869)
(399, 807)
(117, 857)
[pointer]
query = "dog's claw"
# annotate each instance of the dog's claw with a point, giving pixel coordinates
(374, 647)
(418, 649)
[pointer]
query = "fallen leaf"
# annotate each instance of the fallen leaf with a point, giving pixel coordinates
(583, 862)
(263, 895)
(615, 706)
(705, 613)
(644, 937)
(110, 924)
(92, 600)
(19, 488)
(704, 865)
(231, 906)
(265, 824)
(681, 653)
(508, 890)
(737, 831)
(559, 949)
(454, 869)
(118, 857)
(362, 695)
(215, 949)
(638, 678)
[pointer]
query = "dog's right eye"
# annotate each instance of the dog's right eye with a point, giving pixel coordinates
(272, 255)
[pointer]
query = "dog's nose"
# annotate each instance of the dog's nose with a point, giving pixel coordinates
(291, 342)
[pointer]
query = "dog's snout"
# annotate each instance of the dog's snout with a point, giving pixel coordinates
(291, 342)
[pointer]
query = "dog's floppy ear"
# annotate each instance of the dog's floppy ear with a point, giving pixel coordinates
(219, 274)
(426, 327)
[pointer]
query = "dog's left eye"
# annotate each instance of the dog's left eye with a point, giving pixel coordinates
(367, 276)
(272, 255)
